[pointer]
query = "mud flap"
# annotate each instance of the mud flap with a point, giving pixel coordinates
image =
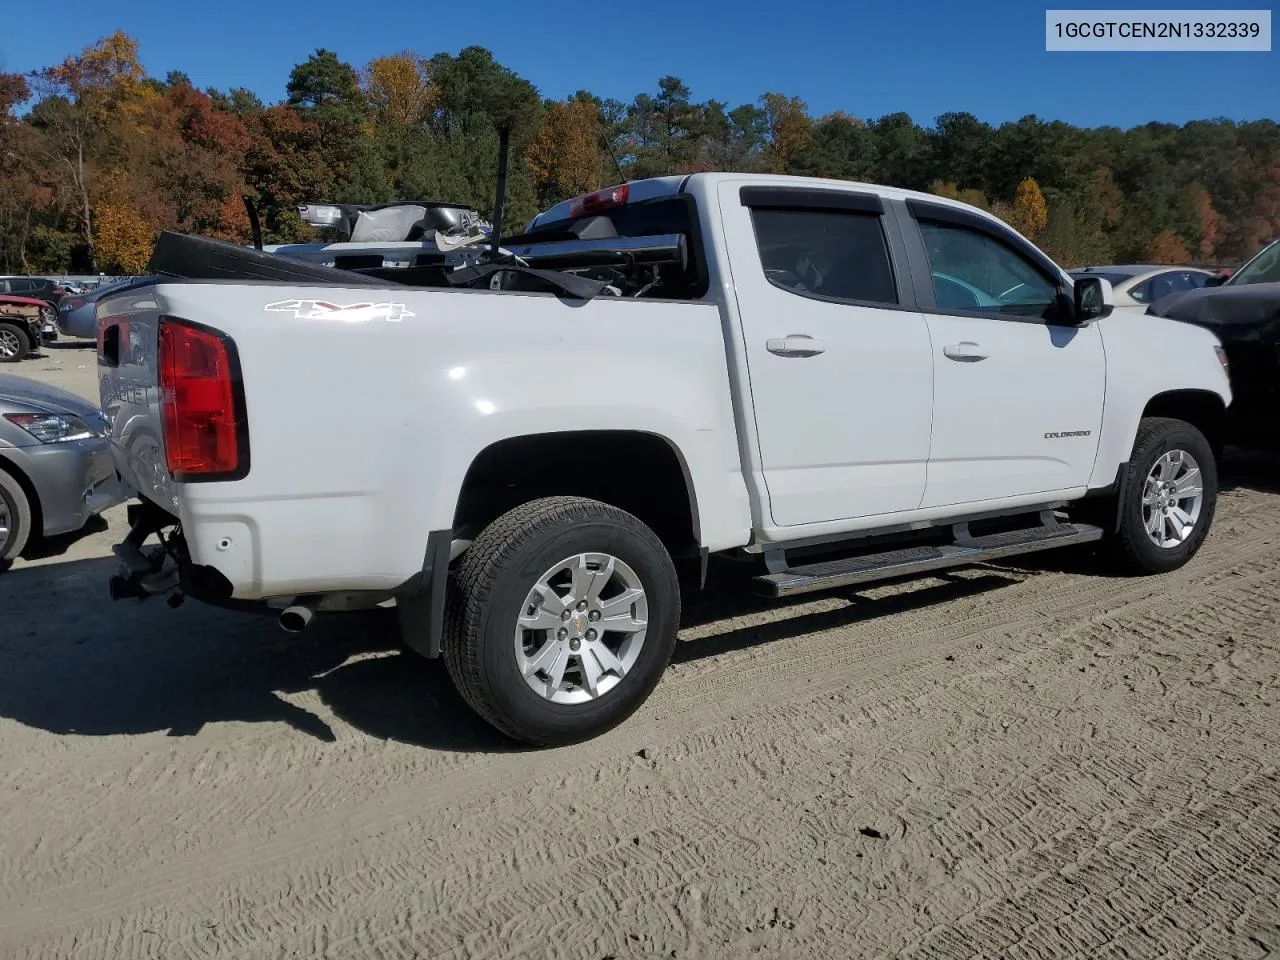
(420, 602)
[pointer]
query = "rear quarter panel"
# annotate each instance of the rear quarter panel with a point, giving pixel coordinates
(361, 432)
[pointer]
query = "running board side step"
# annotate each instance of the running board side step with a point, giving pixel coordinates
(909, 561)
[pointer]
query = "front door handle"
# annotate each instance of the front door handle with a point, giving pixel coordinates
(796, 345)
(966, 351)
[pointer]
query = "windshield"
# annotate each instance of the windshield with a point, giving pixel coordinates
(1264, 268)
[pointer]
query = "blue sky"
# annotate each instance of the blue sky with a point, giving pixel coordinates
(922, 56)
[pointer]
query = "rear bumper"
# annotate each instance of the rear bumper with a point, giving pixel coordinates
(172, 570)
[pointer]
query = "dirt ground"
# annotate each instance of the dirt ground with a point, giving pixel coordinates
(1034, 760)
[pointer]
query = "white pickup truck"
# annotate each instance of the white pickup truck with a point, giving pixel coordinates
(836, 383)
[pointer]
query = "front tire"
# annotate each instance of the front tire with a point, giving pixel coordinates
(14, 345)
(15, 520)
(1169, 497)
(561, 618)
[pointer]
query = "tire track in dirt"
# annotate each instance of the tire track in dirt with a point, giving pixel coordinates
(757, 767)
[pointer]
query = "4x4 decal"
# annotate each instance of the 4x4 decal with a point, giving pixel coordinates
(347, 313)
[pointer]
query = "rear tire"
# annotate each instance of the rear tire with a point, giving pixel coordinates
(575, 669)
(14, 344)
(1171, 460)
(15, 520)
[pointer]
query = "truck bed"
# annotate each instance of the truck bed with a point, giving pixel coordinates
(366, 406)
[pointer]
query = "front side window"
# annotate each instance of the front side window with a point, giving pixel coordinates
(975, 272)
(827, 254)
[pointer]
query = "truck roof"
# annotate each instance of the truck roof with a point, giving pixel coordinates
(653, 187)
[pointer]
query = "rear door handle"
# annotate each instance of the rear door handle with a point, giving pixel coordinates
(796, 345)
(966, 351)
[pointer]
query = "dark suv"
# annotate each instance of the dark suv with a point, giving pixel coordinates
(38, 288)
(1244, 313)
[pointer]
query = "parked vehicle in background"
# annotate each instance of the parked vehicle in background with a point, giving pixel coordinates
(22, 327)
(1136, 286)
(38, 288)
(1243, 312)
(77, 313)
(55, 464)
(772, 369)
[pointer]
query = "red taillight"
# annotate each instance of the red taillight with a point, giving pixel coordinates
(600, 200)
(201, 403)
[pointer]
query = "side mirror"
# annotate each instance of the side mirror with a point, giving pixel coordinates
(1214, 281)
(1093, 299)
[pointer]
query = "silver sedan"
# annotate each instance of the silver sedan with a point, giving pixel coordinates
(56, 469)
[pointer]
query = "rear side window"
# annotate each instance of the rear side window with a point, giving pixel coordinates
(826, 254)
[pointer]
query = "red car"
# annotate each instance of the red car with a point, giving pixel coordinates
(23, 327)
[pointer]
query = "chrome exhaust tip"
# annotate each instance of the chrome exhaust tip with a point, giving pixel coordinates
(295, 619)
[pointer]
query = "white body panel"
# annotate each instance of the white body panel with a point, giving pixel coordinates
(1146, 357)
(361, 433)
(994, 415)
(360, 438)
(843, 433)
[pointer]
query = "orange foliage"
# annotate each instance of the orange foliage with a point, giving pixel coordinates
(948, 189)
(1167, 247)
(1030, 214)
(1209, 221)
(790, 130)
(399, 88)
(566, 152)
(122, 236)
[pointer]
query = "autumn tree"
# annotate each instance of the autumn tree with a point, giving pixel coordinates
(1167, 247)
(790, 130)
(1029, 215)
(24, 183)
(398, 88)
(948, 189)
(103, 141)
(83, 99)
(285, 164)
(123, 238)
(565, 157)
(187, 171)
(1207, 221)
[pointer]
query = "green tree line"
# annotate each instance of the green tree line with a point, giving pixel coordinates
(97, 156)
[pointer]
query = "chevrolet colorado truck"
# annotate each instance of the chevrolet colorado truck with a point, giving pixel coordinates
(532, 454)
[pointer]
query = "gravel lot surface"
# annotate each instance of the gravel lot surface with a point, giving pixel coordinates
(1030, 760)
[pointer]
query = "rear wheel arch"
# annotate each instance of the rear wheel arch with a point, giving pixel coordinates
(640, 472)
